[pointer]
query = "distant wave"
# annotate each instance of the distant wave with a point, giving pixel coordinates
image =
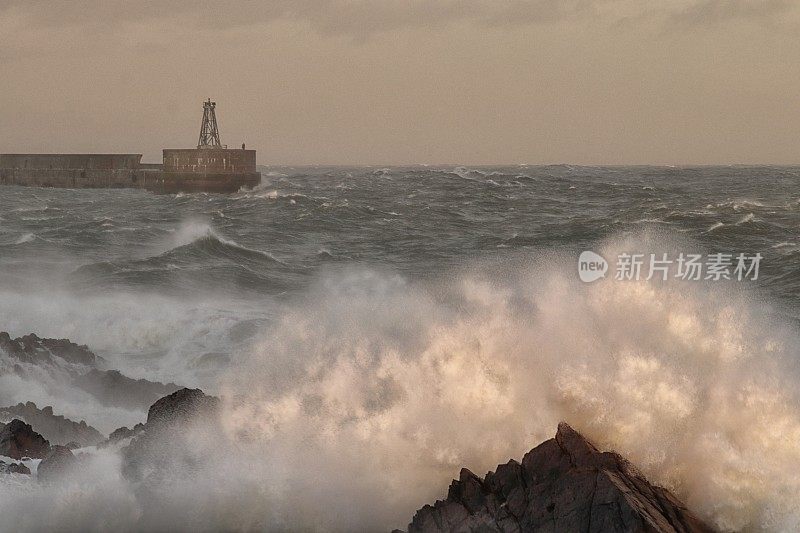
(652, 221)
(468, 173)
(262, 190)
(28, 237)
(266, 193)
(326, 255)
(739, 204)
(22, 239)
(203, 235)
(30, 209)
(750, 217)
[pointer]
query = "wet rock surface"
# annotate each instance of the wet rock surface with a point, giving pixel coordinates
(74, 365)
(120, 434)
(18, 440)
(14, 468)
(174, 438)
(55, 428)
(181, 407)
(33, 349)
(58, 464)
(564, 484)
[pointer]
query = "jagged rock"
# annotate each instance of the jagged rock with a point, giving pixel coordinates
(14, 468)
(72, 445)
(113, 388)
(56, 465)
(180, 407)
(163, 444)
(32, 349)
(55, 428)
(18, 440)
(76, 365)
(121, 434)
(564, 484)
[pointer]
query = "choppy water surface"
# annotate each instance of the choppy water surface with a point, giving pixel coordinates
(413, 220)
(236, 255)
(435, 313)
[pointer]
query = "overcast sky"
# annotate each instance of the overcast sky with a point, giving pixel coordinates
(408, 81)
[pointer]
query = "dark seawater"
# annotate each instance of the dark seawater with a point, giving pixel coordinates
(373, 330)
(229, 259)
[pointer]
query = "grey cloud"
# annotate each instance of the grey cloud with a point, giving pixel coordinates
(331, 16)
(362, 17)
(710, 12)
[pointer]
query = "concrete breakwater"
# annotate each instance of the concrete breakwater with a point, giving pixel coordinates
(183, 170)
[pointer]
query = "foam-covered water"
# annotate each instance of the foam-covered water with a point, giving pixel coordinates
(373, 330)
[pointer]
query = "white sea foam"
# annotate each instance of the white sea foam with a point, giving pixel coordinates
(28, 237)
(469, 173)
(152, 336)
(749, 217)
(748, 203)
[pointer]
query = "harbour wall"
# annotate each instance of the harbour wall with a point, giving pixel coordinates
(78, 171)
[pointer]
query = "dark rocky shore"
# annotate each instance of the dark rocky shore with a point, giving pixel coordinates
(563, 484)
(55, 428)
(81, 368)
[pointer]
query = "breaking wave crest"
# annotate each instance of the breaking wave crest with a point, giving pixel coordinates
(203, 235)
(389, 388)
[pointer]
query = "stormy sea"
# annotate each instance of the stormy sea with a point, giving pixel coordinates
(370, 331)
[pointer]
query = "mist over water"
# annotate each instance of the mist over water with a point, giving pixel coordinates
(371, 331)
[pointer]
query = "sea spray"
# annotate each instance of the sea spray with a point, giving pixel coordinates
(369, 391)
(395, 386)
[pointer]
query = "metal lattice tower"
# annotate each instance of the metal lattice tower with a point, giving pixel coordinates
(209, 134)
